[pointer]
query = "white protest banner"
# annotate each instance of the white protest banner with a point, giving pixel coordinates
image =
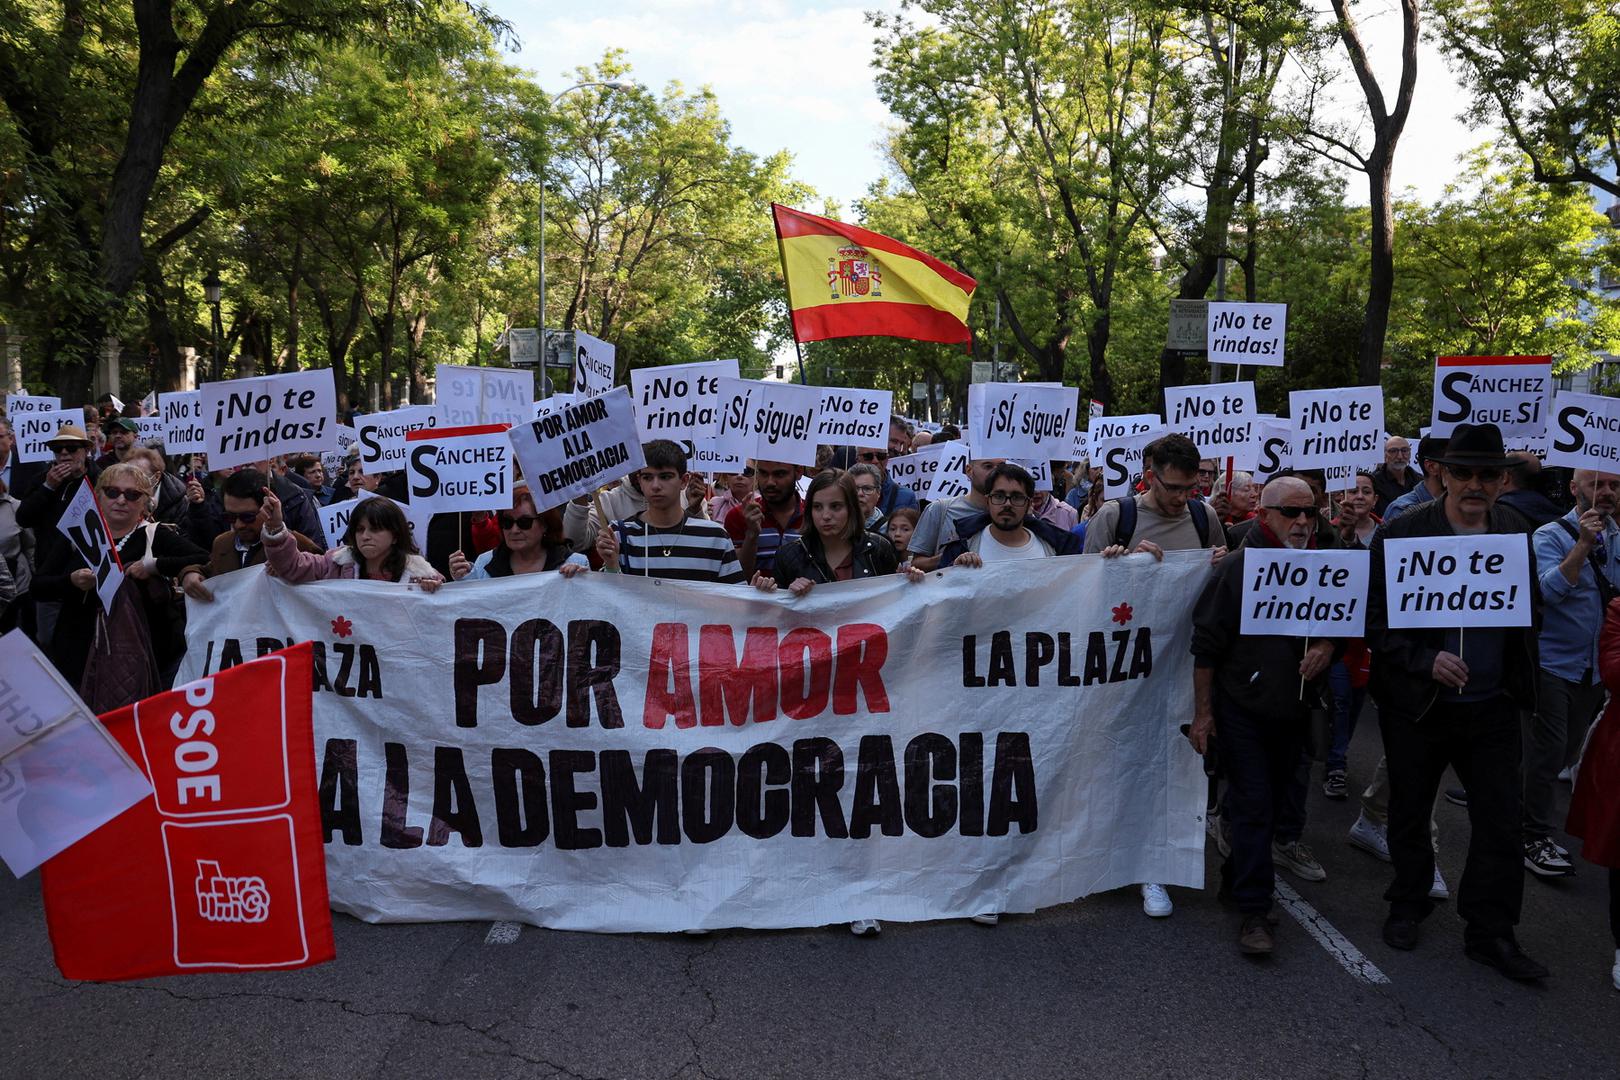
(182, 417)
(915, 471)
(1219, 419)
(623, 792)
(556, 403)
(61, 776)
(82, 524)
(149, 431)
(848, 417)
(1512, 392)
(1585, 432)
(19, 405)
(1022, 420)
(703, 457)
(1097, 408)
(1293, 593)
(335, 517)
(679, 401)
(469, 396)
(1120, 459)
(1039, 471)
(1107, 428)
(334, 460)
(594, 361)
(1189, 326)
(250, 420)
(950, 479)
(768, 421)
(1247, 333)
(1342, 427)
(450, 470)
(381, 436)
(1081, 450)
(34, 431)
(1458, 581)
(577, 450)
(1274, 455)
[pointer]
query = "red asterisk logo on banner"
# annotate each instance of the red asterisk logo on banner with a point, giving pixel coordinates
(342, 627)
(1122, 614)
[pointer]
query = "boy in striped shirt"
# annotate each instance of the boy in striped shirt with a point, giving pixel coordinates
(665, 541)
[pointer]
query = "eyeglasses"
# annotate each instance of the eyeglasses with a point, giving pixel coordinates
(1006, 498)
(525, 522)
(1465, 474)
(129, 495)
(872, 456)
(1291, 511)
(246, 517)
(1210, 473)
(1176, 489)
(865, 489)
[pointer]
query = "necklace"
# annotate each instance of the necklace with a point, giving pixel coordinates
(669, 548)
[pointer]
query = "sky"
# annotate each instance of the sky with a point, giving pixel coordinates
(798, 77)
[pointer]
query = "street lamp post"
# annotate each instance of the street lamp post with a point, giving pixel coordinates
(540, 321)
(213, 290)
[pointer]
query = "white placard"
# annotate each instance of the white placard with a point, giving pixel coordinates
(679, 401)
(950, 479)
(848, 417)
(1512, 392)
(82, 524)
(1081, 450)
(1292, 593)
(1108, 428)
(1022, 420)
(61, 775)
(1342, 427)
(335, 516)
(182, 416)
(594, 361)
(768, 421)
(1221, 420)
(1274, 455)
(1584, 432)
(1189, 326)
(523, 345)
(450, 470)
(27, 404)
(1458, 581)
(579, 449)
(470, 396)
(702, 457)
(381, 436)
(347, 439)
(1039, 471)
(35, 430)
(915, 471)
(553, 404)
(1098, 408)
(251, 420)
(149, 431)
(1121, 462)
(1247, 333)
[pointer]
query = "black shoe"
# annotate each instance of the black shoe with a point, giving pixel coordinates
(1401, 933)
(1456, 796)
(1504, 955)
(1255, 938)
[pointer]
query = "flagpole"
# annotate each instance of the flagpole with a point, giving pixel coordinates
(799, 349)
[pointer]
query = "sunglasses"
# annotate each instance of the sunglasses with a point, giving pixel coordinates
(1465, 474)
(1291, 511)
(870, 456)
(129, 495)
(525, 522)
(246, 517)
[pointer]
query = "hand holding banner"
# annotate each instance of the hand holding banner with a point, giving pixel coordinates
(1293, 593)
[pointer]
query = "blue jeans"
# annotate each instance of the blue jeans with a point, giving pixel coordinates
(1347, 702)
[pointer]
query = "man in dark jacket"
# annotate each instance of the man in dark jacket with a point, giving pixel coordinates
(1446, 699)
(205, 520)
(1521, 490)
(1008, 532)
(42, 507)
(1245, 689)
(1395, 477)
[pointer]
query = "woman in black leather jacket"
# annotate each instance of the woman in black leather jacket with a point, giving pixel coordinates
(834, 546)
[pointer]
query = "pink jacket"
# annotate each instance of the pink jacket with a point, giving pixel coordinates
(299, 567)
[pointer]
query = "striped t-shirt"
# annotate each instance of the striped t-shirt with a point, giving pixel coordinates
(697, 549)
(772, 537)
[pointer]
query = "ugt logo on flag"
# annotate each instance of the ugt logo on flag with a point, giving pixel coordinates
(222, 869)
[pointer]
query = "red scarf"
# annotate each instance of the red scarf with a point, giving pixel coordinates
(1274, 539)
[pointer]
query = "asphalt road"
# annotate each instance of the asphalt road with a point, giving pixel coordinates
(1091, 988)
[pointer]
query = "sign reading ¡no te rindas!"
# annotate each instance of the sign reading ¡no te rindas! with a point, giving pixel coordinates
(1512, 392)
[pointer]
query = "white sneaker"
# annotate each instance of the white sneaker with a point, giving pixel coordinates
(1438, 890)
(1156, 901)
(866, 928)
(1370, 837)
(987, 918)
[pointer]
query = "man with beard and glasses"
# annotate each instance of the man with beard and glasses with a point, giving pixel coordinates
(940, 522)
(1449, 699)
(1256, 692)
(1578, 563)
(1010, 532)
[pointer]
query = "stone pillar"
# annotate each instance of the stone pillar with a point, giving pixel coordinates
(14, 370)
(376, 392)
(188, 368)
(106, 380)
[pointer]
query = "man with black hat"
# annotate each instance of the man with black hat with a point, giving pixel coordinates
(1446, 700)
(1430, 448)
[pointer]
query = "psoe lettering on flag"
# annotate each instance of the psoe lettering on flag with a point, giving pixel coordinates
(846, 281)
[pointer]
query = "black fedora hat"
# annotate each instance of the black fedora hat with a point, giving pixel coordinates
(1478, 446)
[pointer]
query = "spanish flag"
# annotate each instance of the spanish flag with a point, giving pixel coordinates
(845, 281)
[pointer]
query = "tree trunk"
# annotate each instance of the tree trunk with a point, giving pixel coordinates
(1381, 272)
(161, 329)
(414, 334)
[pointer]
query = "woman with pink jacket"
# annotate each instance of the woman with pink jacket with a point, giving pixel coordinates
(376, 547)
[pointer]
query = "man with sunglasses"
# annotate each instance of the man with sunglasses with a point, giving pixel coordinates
(1445, 698)
(1256, 692)
(240, 545)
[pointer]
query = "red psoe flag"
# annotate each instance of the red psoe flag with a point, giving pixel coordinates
(846, 281)
(223, 868)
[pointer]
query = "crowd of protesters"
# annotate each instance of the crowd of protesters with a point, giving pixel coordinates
(1510, 712)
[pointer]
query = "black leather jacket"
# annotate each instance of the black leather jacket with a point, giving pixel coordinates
(804, 558)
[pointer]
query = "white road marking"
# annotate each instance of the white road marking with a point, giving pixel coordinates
(503, 933)
(1337, 945)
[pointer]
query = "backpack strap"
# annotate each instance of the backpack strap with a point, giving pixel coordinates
(1605, 587)
(1200, 519)
(1125, 527)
